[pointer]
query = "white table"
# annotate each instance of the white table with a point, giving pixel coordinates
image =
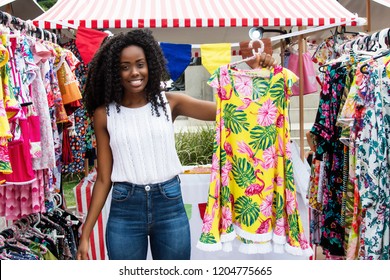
(195, 190)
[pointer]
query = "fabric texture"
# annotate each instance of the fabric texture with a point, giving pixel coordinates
(215, 55)
(178, 57)
(149, 144)
(88, 42)
(309, 73)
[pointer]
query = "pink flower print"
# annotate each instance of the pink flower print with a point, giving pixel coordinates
(224, 76)
(264, 226)
(245, 149)
(215, 206)
(219, 126)
(246, 101)
(254, 189)
(231, 199)
(228, 148)
(207, 223)
(226, 217)
(325, 88)
(217, 187)
(267, 113)
(243, 85)
(303, 241)
(278, 180)
(290, 202)
(214, 167)
(288, 149)
(225, 173)
(280, 227)
(266, 206)
(270, 158)
(281, 146)
(222, 94)
(215, 83)
(280, 121)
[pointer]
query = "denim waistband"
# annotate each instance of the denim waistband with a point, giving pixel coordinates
(152, 186)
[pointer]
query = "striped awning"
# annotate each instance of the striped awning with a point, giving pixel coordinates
(193, 13)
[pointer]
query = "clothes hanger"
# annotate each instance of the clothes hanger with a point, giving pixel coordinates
(382, 48)
(254, 52)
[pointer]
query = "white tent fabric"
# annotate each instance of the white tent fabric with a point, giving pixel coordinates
(383, 2)
(379, 13)
(188, 13)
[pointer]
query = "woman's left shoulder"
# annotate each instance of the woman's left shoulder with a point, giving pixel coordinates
(173, 98)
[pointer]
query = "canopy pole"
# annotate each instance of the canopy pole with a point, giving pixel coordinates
(368, 16)
(301, 100)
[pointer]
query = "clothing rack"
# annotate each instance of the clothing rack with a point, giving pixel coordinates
(15, 23)
(370, 42)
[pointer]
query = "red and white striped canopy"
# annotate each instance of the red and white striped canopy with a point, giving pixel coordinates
(193, 13)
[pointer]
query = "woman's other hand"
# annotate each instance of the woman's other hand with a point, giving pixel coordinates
(82, 252)
(263, 60)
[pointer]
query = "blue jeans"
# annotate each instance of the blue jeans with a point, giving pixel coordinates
(154, 210)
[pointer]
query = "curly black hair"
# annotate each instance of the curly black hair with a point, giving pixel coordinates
(103, 85)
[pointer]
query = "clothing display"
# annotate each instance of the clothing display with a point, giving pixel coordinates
(252, 191)
(51, 236)
(39, 93)
(349, 192)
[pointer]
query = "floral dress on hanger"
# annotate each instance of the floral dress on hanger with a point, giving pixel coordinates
(252, 194)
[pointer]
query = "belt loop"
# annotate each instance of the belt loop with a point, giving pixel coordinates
(178, 178)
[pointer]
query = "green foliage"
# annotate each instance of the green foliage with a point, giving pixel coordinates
(67, 187)
(46, 4)
(195, 148)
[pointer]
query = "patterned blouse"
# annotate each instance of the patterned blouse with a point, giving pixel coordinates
(252, 192)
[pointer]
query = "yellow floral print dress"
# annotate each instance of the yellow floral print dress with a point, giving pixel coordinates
(252, 194)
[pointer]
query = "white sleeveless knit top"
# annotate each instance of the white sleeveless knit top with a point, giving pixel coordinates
(142, 144)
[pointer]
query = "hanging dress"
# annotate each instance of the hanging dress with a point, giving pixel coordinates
(252, 193)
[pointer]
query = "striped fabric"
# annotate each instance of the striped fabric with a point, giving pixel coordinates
(189, 13)
(83, 193)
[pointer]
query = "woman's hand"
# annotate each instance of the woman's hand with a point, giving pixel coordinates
(83, 250)
(263, 60)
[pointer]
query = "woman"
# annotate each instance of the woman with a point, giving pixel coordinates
(136, 156)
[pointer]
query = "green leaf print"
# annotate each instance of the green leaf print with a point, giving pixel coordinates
(263, 137)
(5, 165)
(229, 229)
(236, 121)
(293, 225)
(223, 157)
(278, 204)
(225, 195)
(207, 238)
(260, 87)
(289, 179)
(243, 172)
(247, 211)
(277, 93)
